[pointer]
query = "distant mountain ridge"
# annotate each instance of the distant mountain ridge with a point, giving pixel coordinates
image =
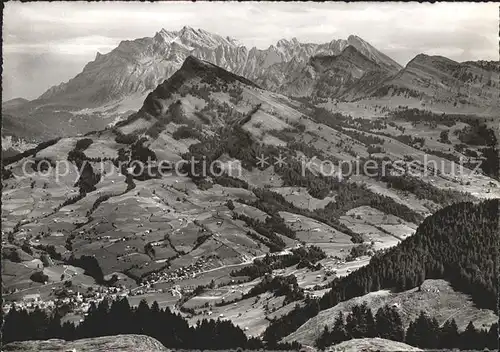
(114, 85)
(333, 75)
(356, 70)
(142, 64)
(12, 103)
(437, 78)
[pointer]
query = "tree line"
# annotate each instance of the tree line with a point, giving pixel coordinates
(105, 319)
(300, 256)
(268, 229)
(280, 286)
(424, 190)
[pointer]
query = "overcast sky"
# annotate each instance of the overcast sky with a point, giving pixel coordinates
(47, 43)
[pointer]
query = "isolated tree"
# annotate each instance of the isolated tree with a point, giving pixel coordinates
(443, 137)
(39, 276)
(230, 204)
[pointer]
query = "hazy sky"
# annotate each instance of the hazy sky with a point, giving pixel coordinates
(47, 43)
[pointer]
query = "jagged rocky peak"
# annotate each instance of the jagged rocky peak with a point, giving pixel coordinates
(186, 29)
(190, 33)
(282, 42)
(165, 36)
(136, 66)
(355, 39)
(375, 55)
(285, 42)
(234, 42)
(201, 38)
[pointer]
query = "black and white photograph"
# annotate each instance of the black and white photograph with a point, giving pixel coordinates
(250, 176)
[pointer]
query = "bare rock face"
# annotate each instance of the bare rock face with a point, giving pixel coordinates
(140, 65)
(122, 343)
(371, 344)
(351, 71)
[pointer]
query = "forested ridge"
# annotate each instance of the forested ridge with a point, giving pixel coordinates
(458, 243)
(423, 332)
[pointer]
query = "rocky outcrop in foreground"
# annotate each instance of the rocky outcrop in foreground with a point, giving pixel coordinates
(371, 344)
(119, 343)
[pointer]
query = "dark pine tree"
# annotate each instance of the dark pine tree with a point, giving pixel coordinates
(141, 318)
(423, 332)
(388, 324)
(12, 321)
(120, 314)
(68, 331)
(54, 326)
(492, 338)
(360, 322)
(338, 333)
(449, 335)
(469, 338)
(322, 340)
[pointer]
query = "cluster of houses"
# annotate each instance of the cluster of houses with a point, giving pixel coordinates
(77, 302)
(187, 272)
(179, 291)
(29, 302)
(309, 292)
(175, 291)
(184, 273)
